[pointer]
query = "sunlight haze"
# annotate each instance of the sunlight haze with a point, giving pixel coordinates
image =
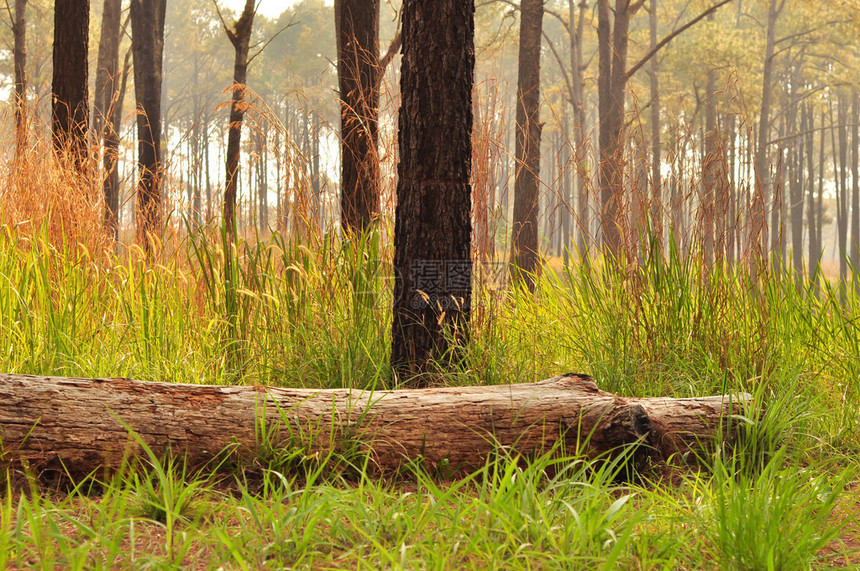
(268, 8)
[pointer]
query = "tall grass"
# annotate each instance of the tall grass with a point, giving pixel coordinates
(315, 311)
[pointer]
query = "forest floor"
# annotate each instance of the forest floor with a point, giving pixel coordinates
(785, 496)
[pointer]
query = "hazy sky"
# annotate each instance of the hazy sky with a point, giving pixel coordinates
(269, 8)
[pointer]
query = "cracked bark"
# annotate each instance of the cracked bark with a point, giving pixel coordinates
(57, 423)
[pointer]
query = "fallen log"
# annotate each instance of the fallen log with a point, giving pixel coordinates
(78, 425)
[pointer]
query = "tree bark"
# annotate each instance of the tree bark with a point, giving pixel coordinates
(19, 30)
(69, 106)
(525, 255)
(75, 425)
(240, 37)
(611, 86)
(433, 228)
(107, 89)
(359, 74)
(147, 30)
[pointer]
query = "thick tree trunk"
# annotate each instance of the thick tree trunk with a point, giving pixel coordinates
(358, 72)
(78, 425)
(433, 228)
(147, 30)
(69, 106)
(524, 262)
(240, 37)
(19, 30)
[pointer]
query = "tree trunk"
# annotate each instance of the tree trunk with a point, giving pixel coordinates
(75, 426)
(855, 190)
(819, 208)
(69, 106)
(359, 74)
(757, 240)
(611, 85)
(796, 193)
(524, 263)
(710, 169)
(433, 229)
(107, 85)
(316, 175)
(579, 130)
(566, 189)
(656, 178)
(19, 30)
(731, 181)
(841, 174)
(240, 37)
(811, 218)
(608, 206)
(778, 199)
(147, 30)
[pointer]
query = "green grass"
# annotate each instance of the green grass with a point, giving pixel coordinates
(318, 315)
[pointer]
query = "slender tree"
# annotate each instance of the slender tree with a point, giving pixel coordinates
(432, 233)
(525, 260)
(811, 216)
(762, 165)
(147, 30)
(795, 187)
(19, 30)
(240, 37)
(580, 143)
(106, 92)
(840, 169)
(711, 164)
(656, 177)
(855, 189)
(69, 107)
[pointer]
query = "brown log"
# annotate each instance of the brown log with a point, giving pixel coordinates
(73, 424)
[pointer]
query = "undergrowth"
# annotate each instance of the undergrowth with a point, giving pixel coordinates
(317, 314)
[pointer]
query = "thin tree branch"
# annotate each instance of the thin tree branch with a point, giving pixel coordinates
(289, 24)
(515, 6)
(227, 29)
(13, 20)
(662, 43)
(393, 48)
(561, 63)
